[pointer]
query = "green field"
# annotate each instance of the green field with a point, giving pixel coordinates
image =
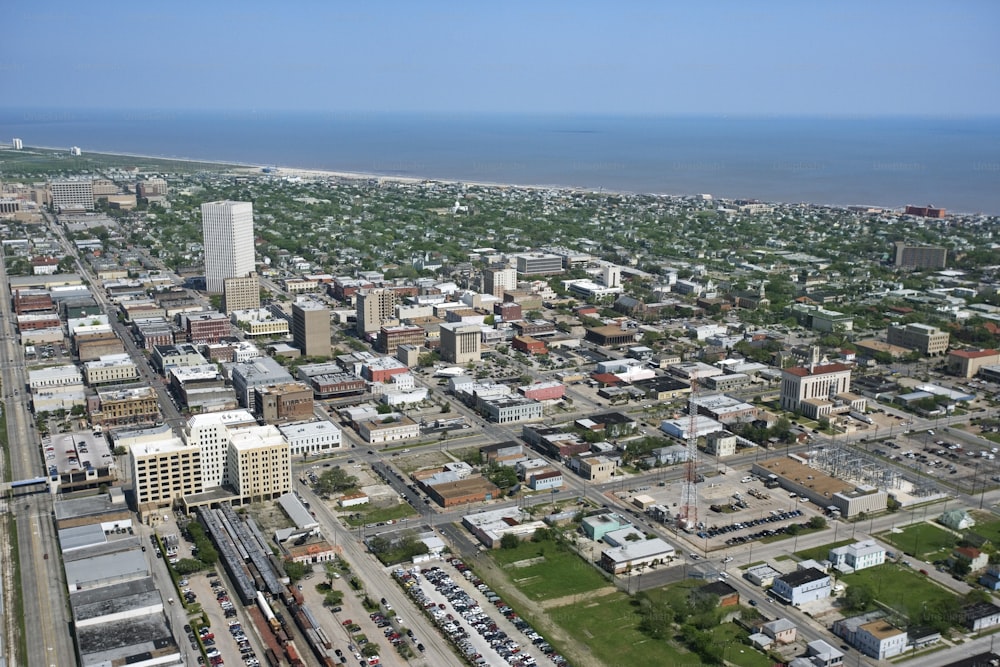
(608, 626)
(901, 588)
(987, 525)
(557, 572)
(923, 540)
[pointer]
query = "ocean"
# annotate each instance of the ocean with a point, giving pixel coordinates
(952, 163)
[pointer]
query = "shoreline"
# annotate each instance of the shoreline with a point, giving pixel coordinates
(301, 172)
(359, 175)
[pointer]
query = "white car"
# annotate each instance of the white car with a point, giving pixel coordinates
(727, 559)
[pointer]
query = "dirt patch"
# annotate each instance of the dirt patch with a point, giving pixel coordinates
(269, 517)
(426, 459)
(528, 562)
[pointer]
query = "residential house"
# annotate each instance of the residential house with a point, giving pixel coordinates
(780, 630)
(976, 559)
(857, 556)
(957, 519)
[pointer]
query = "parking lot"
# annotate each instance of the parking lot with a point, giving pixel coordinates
(229, 638)
(475, 618)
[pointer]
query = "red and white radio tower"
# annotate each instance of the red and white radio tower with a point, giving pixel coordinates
(687, 518)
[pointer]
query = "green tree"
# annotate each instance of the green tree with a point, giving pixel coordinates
(509, 541)
(858, 597)
(296, 571)
(333, 598)
(817, 523)
(334, 480)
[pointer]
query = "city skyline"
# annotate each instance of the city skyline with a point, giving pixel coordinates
(780, 59)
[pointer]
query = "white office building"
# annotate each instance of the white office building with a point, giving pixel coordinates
(227, 227)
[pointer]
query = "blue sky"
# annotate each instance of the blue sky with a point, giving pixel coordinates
(727, 57)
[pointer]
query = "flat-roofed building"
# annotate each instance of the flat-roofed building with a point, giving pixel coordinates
(460, 343)
(258, 322)
(206, 328)
(311, 328)
(127, 406)
(391, 338)
(919, 257)
(285, 402)
(259, 463)
(182, 355)
(463, 491)
(538, 264)
(857, 556)
(966, 363)
(388, 428)
(720, 443)
(66, 375)
(72, 194)
(497, 281)
(376, 308)
(802, 586)
(315, 438)
(510, 409)
(111, 369)
(164, 471)
(923, 338)
(822, 489)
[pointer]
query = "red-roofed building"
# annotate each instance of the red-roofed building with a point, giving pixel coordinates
(588, 311)
(528, 345)
(976, 559)
(966, 363)
(606, 379)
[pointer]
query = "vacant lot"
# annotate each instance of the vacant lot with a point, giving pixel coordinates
(987, 525)
(924, 540)
(547, 570)
(901, 588)
(609, 627)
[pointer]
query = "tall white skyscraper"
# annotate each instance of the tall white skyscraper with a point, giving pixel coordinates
(227, 227)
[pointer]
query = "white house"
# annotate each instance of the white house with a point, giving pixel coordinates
(857, 556)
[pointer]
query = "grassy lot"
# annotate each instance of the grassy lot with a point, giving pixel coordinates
(380, 514)
(738, 653)
(608, 626)
(557, 572)
(821, 552)
(987, 525)
(924, 540)
(899, 587)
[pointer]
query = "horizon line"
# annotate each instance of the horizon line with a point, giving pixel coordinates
(743, 115)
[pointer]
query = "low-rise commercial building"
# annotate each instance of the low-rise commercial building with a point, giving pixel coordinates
(315, 438)
(388, 428)
(923, 338)
(802, 586)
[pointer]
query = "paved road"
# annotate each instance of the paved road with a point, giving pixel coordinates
(377, 580)
(42, 590)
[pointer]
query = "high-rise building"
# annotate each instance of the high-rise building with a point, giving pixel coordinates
(376, 308)
(17, 144)
(209, 433)
(164, 471)
(241, 293)
(72, 193)
(498, 281)
(920, 257)
(311, 328)
(538, 264)
(460, 343)
(227, 228)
